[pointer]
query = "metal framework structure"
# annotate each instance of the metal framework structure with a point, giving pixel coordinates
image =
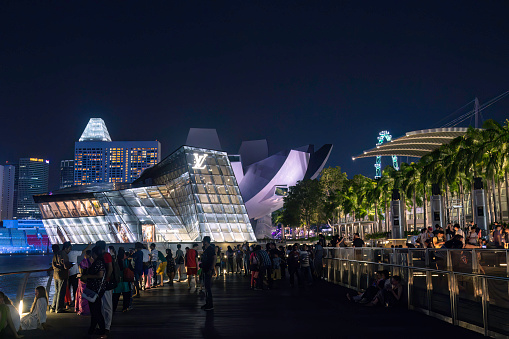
(382, 137)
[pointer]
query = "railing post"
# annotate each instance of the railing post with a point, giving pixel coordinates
(453, 289)
(21, 290)
(485, 304)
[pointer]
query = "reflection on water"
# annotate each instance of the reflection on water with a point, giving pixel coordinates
(9, 284)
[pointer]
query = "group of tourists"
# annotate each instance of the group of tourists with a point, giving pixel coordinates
(383, 291)
(455, 236)
(267, 266)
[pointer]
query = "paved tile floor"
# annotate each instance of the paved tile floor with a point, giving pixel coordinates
(318, 311)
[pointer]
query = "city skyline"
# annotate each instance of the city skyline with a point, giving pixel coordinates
(295, 74)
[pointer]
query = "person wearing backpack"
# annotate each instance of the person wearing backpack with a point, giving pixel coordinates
(179, 262)
(254, 267)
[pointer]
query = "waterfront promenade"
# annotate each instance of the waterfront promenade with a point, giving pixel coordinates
(318, 311)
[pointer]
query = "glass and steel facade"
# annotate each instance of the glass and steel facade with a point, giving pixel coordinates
(190, 194)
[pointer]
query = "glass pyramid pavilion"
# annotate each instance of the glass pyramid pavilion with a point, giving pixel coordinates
(95, 131)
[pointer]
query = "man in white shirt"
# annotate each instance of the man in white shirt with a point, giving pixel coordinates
(154, 256)
(146, 265)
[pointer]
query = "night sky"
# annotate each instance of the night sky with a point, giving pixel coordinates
(292, 72)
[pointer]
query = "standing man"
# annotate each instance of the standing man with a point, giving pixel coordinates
(192, 266)
(154, 257)
(319, 260)
(358, 242)
(208, 261)
(60, 275)
(107, 298)
(179, 262)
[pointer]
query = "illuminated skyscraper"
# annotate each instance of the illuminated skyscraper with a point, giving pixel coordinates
(33, 180)
(97, 159)
(7, 192)
(66, 173)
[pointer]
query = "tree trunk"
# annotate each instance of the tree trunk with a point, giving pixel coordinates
(447, 218)
(506, 192)
(386, 216)
(493, 194)
(425, 208)
(463, 207)
(499, 193)
(415, 209)
(472, 202)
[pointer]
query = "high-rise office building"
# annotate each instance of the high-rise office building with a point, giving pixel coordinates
(66, 173)
(7, 177)
(32, 180)
(97, 159)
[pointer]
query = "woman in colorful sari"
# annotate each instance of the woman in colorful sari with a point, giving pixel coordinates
(81, 304)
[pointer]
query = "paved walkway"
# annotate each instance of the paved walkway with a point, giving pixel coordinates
(319, 311)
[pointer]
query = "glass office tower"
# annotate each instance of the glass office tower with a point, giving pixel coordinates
(32, 180)
(190, 194)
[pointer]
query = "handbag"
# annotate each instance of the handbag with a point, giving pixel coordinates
(128, 275)
(91, 296)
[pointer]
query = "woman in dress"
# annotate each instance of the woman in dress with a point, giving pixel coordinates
(95, 281)
(81, 304)
(123, 287)
(37, 316)
(170, 266)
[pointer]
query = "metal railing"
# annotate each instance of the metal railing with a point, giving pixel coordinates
(436, 284)
(17, 282)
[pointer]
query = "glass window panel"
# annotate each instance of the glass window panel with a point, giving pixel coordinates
(221, 189)
(211, 217)
(89, 207)
(214, 170)
(228, 209)
(221, 217)
(203, 198)
(210, 189)
(228, 180)
(217, 208)
(82, 211)
(224, 199)
(154, 193)
(238, 209)
(71, 208)
(232, 218)
(235, 199)
(118, 201)
(160, 202)
(218, 180)
(201, 189)
(166, 211)
(213, 199)
(226, 170)
(207, 208)
(139, 210)
(221, 160)
(63, 209)
(46, 212)
(132, 201)
(153, 211)
(97, 207)
(147, 202)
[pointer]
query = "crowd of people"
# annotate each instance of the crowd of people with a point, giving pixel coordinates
(93, 286)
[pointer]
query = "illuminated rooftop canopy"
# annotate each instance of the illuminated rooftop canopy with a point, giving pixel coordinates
(415, 144)
(95, 131)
